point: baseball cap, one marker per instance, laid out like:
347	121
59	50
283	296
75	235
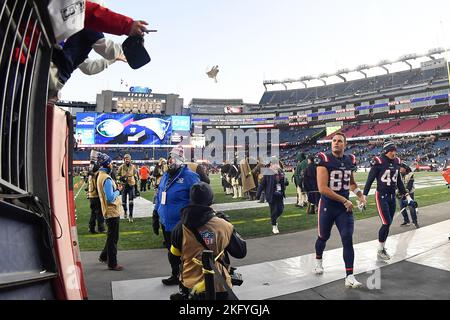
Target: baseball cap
135	52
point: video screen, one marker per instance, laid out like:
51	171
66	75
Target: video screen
112	129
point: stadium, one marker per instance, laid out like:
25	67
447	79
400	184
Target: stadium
45	210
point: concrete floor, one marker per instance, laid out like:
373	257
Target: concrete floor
144	264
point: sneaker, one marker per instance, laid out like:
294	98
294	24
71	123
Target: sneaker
125	216
405	224
116	268
383	255
318	268
416	225
351	282
130	220
92	231
275	229
101	261
172	281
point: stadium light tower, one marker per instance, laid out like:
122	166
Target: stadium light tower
362	67
340	73
322	77
383	63
304	79
407	57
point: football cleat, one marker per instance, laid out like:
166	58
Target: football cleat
318	268
383	255
351	282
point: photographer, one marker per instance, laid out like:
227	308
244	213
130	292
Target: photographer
94	200
407	176
127	175
201	228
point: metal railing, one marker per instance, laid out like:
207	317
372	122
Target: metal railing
26	39
25	53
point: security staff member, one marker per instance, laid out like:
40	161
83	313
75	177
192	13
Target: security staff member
171	198
127	174
199	222
111	208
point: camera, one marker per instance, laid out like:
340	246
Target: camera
236	278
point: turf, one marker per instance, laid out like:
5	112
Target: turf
249	222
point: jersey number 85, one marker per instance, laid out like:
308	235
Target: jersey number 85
340	180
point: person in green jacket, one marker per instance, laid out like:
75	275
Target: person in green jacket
302	163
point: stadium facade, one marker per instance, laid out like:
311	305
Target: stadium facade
405	98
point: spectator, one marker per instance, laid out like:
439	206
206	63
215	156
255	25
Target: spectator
199	229
76	49
273	184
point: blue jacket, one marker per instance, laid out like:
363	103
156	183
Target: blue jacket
177	196
269	185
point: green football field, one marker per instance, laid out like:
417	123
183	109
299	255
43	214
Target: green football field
249	222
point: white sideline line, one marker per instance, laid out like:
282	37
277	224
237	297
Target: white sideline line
79	191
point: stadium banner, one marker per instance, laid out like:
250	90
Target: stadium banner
128	130
389	136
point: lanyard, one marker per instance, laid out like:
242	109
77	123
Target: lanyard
166	187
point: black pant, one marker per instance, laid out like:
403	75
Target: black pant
314	198
143	185
276	208
173	260
130	192
109	253
96	215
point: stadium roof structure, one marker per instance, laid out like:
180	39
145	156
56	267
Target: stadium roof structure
216	102
383	64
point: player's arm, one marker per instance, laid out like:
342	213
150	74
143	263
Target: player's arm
372	176
324	189
354	188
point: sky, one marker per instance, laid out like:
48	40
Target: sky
257	40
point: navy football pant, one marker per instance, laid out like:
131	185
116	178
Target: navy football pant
328	216
386	210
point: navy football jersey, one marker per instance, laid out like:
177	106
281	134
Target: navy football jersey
387	173
339	174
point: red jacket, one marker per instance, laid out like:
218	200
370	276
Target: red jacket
101	19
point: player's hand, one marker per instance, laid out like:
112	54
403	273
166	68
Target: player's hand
122	58
138	28
348	205
363	200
